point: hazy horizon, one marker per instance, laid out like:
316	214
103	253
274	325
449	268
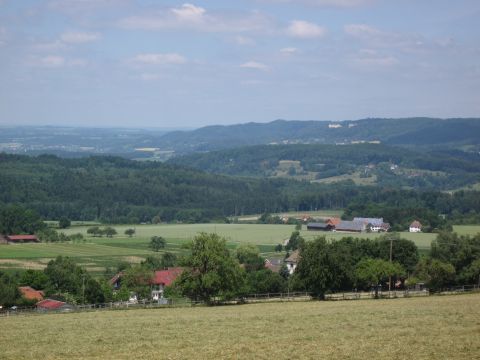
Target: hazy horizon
185	65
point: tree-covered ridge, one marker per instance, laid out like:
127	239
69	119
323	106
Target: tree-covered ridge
377	163
116	190
409	131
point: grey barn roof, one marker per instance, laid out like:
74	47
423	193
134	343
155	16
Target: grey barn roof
350	226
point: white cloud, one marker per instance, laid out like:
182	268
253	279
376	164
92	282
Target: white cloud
78	37
305	30
191	17
50	61
254	65
289	50
189	13
243	40
159	59
374	37
362	31
369	58
56	61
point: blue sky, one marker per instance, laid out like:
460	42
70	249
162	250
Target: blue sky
188	64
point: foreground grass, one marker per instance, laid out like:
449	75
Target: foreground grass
420	328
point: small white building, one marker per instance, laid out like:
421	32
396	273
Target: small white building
415	226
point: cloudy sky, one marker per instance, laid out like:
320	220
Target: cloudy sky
187	64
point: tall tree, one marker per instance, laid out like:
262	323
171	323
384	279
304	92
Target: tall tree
212	273
373	272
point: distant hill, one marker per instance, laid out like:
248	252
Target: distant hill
162	144
408	131
365	164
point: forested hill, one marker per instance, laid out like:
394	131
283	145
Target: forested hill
116	190
373	164
408	131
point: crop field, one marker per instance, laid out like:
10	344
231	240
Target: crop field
436	327
98	253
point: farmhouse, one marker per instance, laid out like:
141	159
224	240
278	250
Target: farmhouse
415	226
53	305
320	226
292	261
334	221
273	264
373	224
21	238
29	293
163	278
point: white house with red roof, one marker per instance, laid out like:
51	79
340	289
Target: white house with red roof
163	278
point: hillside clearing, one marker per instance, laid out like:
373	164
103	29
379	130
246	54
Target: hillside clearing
443	327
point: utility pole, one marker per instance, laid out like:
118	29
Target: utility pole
83	288
390	277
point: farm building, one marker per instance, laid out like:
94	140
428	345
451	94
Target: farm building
30	293
333	221
415	226
351	226
117	280
320	226
21	238
373	224
292	261
273	264
53	305
163	278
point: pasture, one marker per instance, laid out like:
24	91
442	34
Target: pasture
436	327
99	253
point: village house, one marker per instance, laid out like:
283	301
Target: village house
53	305
30	293
13	239
373	224
273	264
415	226
163	278
292	261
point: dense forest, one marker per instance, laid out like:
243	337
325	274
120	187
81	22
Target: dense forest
116	190
381	164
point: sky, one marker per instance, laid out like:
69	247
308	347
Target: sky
145	63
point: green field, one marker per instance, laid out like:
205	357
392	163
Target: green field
436	327
98	253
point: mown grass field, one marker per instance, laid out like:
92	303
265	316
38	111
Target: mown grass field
437	327
98	253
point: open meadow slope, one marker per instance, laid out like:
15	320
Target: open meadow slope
440	327
98	253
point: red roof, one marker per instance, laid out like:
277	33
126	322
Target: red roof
50	304
22	238
166	277
334	221
30	293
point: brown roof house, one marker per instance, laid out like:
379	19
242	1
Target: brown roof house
415	226
292	261
30	293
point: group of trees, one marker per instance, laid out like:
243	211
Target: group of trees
213	273
95	231
51	235
62	279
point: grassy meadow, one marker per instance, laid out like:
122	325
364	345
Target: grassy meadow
99	253
436	327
